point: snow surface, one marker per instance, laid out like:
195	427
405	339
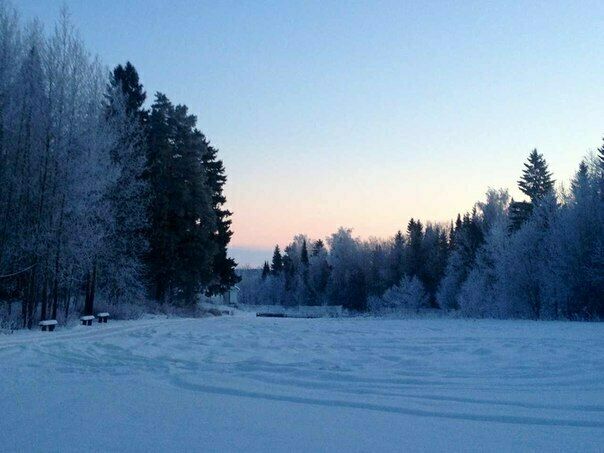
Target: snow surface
262	384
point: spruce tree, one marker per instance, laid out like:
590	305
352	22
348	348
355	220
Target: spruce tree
181	215
223	266
536	180
581	179
397	259
289	270
318	247
319	270
306	293
304	254
277	264
194	209
451	237
458	223
266	270
126	79
414	259
160	259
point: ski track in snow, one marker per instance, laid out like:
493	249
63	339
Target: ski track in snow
507	372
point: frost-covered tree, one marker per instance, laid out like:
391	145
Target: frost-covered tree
408	294
435	252
319	272
126	243
550	267
478	295
55	146
524	261
468	237
574	280
347	284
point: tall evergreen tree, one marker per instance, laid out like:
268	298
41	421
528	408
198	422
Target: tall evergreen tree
318	247
397	259
580	180
266	270
319	271
536	180
126	79
304	254
435	253
289	270
277	264
223	266
181	211
415	232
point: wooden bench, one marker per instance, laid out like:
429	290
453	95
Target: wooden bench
103	317
87	320
48	324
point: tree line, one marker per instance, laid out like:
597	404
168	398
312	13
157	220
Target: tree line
100	197
539	258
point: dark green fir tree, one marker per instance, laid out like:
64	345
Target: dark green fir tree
277	264
536	182
223	266
182	218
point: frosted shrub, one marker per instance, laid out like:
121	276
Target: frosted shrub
12	321
408	294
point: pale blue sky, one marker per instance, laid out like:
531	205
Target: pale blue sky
363	114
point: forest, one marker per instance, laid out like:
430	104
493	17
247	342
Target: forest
103	200
540	258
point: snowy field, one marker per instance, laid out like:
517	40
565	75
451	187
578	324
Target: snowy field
257	384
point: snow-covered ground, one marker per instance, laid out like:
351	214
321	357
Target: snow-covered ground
261	384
